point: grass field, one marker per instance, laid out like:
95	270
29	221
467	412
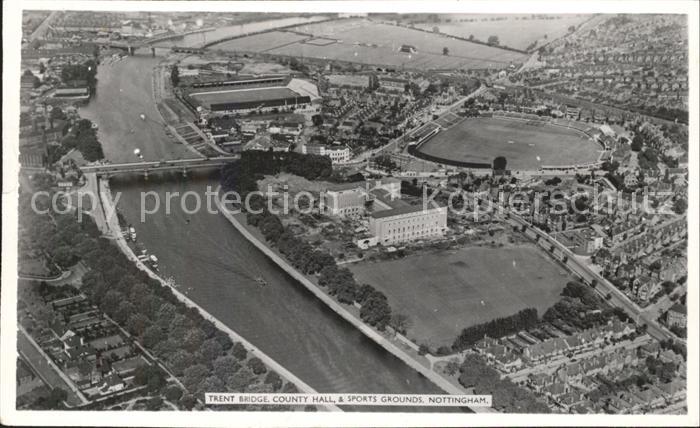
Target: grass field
515	31
242	95
441	292
261	42
367	42
526	147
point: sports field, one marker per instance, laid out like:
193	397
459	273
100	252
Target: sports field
445	291
242	95
525	146
369	42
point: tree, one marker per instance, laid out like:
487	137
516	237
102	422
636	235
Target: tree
637	143
180	361
111	301
257	365
445	51
226	366
400	323
376	312
137	324
423	349
239	351
680	205
500	163
239	381
193	339
493	41
274	380
194	375
173	393
152	335
154	403
188	401
175	75
210	384
317	120
210	350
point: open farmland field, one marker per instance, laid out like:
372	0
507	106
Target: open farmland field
242	95
515	31
261	42
525	146
367	42
442	292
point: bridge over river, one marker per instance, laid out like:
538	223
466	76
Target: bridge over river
146	167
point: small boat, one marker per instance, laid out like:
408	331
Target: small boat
132	233
261	281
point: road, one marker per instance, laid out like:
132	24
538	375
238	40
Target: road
177	164
40	31
46	369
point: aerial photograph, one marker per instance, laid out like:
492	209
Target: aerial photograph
353	212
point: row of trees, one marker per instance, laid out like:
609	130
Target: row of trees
499	327
339	281
201	355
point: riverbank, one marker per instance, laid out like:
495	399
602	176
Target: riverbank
112	224
369	332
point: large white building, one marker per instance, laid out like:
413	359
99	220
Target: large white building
391	220
351	199
338	154
408	223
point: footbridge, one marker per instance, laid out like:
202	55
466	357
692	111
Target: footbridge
146	167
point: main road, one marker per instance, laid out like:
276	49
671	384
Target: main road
216	267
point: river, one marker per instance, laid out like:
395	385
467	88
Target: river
216	266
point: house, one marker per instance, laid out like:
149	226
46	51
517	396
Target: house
631	179
265	143
504	359
75	348
674	391
545	350
645	287
112	383
677	316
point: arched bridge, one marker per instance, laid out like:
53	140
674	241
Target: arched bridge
145	167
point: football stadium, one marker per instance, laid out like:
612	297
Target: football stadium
255	94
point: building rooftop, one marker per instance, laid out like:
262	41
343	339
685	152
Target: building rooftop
406	209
